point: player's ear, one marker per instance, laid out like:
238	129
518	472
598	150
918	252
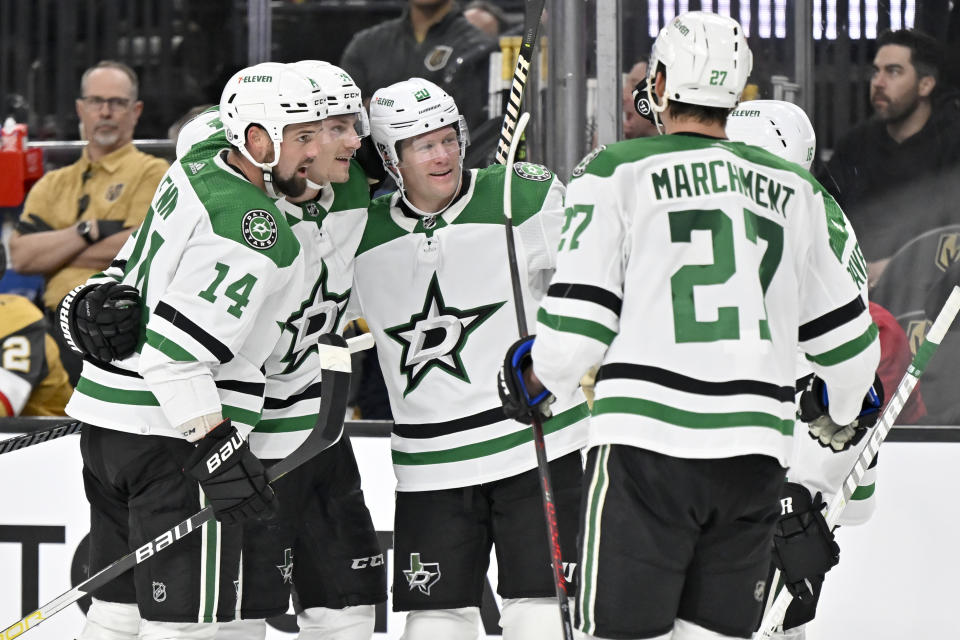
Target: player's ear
926	85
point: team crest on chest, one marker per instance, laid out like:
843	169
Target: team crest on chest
435	336
259	229
113	192
531	171
318	315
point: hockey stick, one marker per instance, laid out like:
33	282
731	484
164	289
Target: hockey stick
773	618
335	364
36	437
531	25
543	465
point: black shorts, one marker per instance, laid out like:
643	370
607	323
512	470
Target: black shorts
137	490
666	538
442	539
323	542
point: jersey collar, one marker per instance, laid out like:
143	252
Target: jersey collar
113	161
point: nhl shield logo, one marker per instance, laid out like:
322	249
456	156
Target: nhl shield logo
758	590
259	229
159	592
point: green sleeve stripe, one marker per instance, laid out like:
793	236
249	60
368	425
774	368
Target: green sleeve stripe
168	347
116	396
241	415
847	350
691	419
286	425
494	446
864	492
587	328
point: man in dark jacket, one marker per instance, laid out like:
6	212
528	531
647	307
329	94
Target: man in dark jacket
433	40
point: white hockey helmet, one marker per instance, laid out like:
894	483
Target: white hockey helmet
780	127
407	109
707	61
271	95
342	93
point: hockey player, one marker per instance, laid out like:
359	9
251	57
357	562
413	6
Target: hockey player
323	540
784	129
32	380
213	261
324	537
689	269
431	279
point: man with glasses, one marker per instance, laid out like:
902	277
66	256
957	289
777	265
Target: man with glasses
76	218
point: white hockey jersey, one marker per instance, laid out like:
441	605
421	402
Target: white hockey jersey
214	261
437	297
329	230
689	269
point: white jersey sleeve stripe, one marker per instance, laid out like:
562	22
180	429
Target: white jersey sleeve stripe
566	324
847	350
688	384
588	293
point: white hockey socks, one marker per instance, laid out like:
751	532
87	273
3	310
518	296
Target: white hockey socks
449	624
531	619
111	621
152	630
255	629
348	623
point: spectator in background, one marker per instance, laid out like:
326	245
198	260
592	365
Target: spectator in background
635	125
76	218
32	380
431	39
896	177
487	17
907	145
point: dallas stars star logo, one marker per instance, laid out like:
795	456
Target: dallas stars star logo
286	569
319	314
435	336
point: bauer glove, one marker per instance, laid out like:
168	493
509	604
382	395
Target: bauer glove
516	398
232	478
813	410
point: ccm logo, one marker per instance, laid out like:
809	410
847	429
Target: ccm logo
226	450
363	563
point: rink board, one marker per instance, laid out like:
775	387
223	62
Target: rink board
896	576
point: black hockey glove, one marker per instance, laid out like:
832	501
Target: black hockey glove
516	399
641	102
232	478
106	228
804	548
813	410
101	321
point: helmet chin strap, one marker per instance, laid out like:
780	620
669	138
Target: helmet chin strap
655	108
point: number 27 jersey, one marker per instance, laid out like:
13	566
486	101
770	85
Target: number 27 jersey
689	269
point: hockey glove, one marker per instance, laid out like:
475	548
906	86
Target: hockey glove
813	410
517	401
232	478
804	548
101	321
